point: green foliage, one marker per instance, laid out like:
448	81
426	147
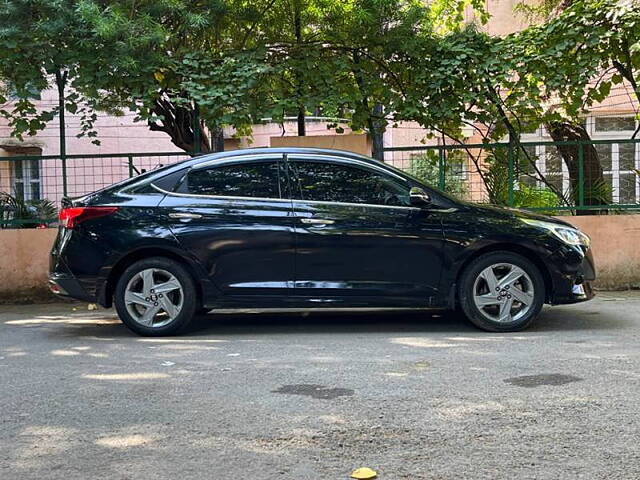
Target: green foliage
598	192
15	211
426	167
527	196
37	41
575	57
496	179
238	61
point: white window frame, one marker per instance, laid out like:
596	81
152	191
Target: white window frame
615	172
27	181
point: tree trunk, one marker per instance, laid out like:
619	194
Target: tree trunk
376	131
217	140
177	122
596	190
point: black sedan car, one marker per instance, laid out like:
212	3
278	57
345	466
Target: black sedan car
308	228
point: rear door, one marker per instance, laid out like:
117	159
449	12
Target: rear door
358	236
235	216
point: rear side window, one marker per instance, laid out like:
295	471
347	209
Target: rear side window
330	182
261	180
167	183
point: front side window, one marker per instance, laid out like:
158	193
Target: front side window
257	180
330	182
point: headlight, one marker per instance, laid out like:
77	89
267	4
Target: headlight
570	236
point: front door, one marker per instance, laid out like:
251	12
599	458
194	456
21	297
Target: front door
358	236
236	218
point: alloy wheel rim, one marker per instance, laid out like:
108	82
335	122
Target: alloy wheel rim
154	297
503	293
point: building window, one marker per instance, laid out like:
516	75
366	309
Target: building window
619	164
620	161
614	124
26	179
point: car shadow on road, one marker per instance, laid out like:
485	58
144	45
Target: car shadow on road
326	322
551	319
105	325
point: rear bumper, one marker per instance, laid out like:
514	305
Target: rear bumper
68	286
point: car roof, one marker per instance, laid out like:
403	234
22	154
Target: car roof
153	175
283	150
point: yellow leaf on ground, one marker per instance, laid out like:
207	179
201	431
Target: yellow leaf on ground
364	473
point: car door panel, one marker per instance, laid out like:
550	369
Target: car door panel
353	249
365	250
245	244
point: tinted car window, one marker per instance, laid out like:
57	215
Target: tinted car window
329	182
239	180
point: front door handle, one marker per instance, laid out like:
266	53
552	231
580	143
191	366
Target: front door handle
316	221
185	215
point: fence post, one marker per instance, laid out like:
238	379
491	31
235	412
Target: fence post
196	129
130	163
581	175
441	169
61	80
510	174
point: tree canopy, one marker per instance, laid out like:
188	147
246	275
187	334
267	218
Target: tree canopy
372	62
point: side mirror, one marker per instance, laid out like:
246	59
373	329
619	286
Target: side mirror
419	198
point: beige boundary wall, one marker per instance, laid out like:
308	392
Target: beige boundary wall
24	255
357	143
615	240
24	263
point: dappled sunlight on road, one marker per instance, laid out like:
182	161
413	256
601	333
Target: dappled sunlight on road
422	342
78	351
125	441
38	320
127	376
179	340
39	443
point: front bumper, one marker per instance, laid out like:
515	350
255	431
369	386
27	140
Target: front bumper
573	272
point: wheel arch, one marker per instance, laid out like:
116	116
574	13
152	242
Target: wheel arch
108	288
524	251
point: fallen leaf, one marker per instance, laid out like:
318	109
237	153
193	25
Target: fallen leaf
167	364
92	306
364	473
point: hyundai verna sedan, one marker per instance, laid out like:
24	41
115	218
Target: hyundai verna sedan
308	228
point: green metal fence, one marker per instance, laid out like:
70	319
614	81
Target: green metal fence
599	176
31	186
595	176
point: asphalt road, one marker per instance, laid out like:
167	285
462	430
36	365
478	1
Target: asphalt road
287	396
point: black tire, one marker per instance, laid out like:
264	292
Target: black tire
189	297
478	317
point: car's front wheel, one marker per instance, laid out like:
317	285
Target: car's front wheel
501	292
156	296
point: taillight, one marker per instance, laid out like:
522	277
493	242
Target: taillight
70	217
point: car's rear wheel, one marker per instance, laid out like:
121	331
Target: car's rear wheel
156	296
501	292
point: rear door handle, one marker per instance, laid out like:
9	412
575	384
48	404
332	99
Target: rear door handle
316	221
185	215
